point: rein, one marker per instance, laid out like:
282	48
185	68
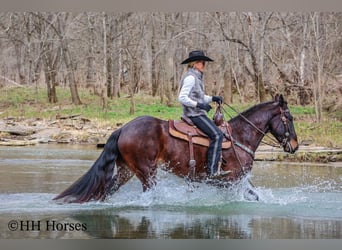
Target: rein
275	145
243	147
236	143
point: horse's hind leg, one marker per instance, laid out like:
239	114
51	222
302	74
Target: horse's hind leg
146	173
122	176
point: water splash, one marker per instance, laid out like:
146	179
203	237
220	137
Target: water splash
173	193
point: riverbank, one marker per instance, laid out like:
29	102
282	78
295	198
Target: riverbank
304	154
75	129
64	129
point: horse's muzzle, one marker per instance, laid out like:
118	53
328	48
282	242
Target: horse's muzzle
291	146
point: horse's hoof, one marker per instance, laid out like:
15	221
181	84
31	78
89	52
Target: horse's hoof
250	195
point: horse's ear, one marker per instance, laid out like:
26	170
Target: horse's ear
281	100
276	98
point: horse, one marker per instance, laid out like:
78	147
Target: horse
144	144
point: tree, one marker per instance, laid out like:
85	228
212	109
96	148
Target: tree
251	43
120	54
61	31
51	53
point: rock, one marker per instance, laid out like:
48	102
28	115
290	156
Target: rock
19	131
8	142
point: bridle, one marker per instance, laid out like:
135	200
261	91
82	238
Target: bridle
286	137
283	118
250	152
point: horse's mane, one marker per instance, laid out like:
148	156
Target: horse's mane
252	110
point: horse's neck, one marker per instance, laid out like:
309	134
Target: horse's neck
246	133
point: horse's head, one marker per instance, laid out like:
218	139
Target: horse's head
281	126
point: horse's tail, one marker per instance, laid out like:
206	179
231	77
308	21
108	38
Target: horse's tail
96	183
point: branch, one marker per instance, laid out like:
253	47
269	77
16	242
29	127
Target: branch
170	40
282	74
229	39
11	81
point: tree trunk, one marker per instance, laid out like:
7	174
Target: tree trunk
315	18
153	66
71	74
91	56
51	61
227	94
257	64
50	78
135	73
106	79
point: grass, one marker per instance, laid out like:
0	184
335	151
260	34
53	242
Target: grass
21	103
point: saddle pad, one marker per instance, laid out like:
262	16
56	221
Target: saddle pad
197	138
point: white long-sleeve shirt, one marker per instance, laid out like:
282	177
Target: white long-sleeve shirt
183	98
192	92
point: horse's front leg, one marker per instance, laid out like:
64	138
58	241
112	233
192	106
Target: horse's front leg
249	193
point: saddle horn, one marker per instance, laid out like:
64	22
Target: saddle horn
218	117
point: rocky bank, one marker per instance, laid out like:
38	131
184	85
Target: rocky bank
75	129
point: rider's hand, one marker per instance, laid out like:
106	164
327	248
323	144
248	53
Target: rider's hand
204	106
218	99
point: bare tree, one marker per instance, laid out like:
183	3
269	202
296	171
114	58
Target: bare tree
252	44
120	54
91	73
51	53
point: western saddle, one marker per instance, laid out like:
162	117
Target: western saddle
187	131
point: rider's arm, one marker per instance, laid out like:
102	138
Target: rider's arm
183	97
208	98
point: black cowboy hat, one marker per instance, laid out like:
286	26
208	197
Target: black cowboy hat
197	55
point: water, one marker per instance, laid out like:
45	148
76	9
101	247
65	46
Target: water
297	201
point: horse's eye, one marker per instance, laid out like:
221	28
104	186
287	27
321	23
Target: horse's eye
289	116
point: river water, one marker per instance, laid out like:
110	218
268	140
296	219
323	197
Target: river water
297	201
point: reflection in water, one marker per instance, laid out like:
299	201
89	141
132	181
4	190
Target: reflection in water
298	201
178	226
161	224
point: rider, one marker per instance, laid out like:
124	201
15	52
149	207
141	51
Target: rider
196	105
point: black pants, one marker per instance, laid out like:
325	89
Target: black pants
216	138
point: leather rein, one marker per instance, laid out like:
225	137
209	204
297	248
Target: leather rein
283	119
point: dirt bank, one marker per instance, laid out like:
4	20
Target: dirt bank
71	129
75	129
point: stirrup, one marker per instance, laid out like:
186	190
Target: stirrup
219	174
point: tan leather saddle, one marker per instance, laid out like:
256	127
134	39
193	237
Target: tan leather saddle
186	130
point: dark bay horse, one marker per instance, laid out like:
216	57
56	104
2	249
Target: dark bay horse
143	144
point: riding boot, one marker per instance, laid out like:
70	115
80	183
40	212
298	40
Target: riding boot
220	172
215	135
